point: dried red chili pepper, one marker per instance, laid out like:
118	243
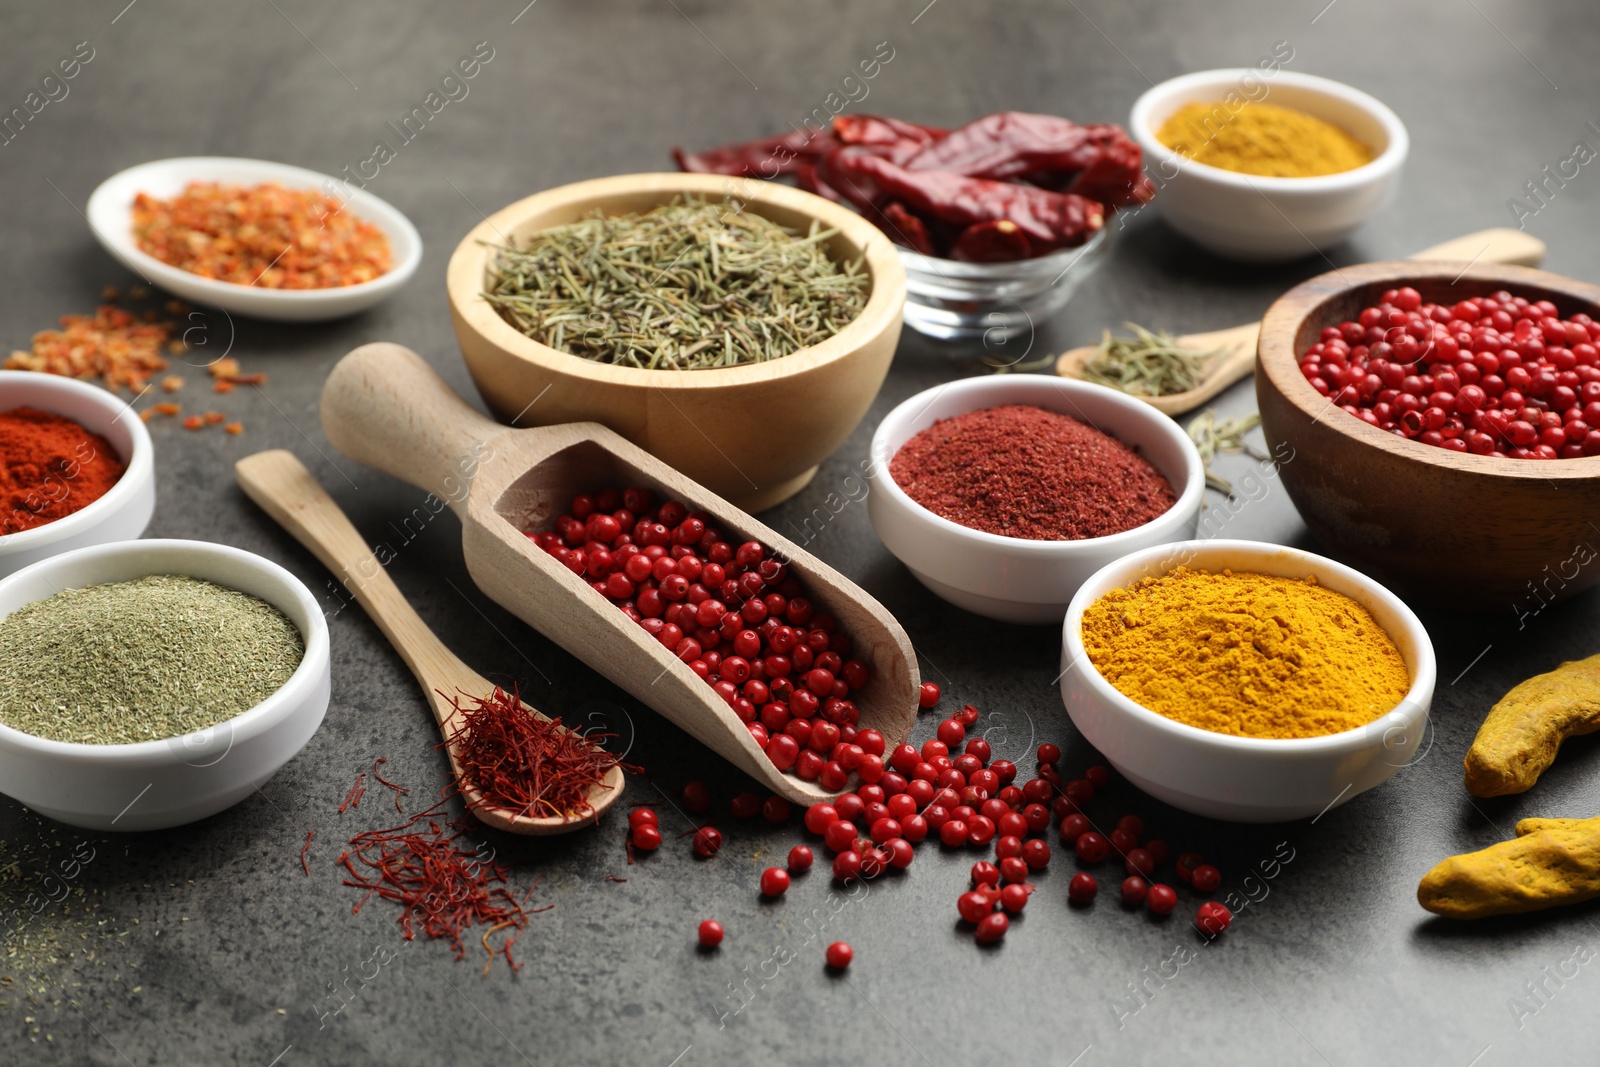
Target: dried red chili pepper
1001	241
894	139
1016	144
764	157
907	229
1049	219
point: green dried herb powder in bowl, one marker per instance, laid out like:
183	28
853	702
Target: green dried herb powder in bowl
141	661
689	285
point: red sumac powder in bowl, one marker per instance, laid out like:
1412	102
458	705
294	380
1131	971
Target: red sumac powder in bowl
1022	471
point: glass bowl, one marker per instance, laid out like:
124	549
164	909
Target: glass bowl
994	302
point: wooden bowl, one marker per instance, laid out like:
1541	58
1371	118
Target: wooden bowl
753	434
1483	532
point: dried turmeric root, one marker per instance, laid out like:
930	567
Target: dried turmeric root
1550	862
1519	739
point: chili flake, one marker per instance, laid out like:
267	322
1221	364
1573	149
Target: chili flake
113	345
262	235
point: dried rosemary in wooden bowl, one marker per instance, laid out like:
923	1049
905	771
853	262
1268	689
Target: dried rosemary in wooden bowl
691	284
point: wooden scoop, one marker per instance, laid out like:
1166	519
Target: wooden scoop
1238	343
284	488
384	407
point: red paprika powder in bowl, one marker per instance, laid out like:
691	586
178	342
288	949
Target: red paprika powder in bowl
1003	494
76	468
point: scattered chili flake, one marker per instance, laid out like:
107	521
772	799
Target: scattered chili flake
614	878
171	383
227	367
234	428
113	345
262	235
193	422
222	385
520	761
304	849
214	418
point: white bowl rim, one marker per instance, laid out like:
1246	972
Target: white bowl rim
366	205
1192	493
1378	167
1345	741
139	467
253	720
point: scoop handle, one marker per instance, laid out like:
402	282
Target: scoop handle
385	408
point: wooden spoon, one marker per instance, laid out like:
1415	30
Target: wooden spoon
1238	343
384	407
284	488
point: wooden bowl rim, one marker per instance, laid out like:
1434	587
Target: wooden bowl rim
1277	359
463	280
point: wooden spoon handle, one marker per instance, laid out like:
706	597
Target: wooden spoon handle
385	408
1499	245
280	483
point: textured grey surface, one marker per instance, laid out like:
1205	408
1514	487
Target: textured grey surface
210	946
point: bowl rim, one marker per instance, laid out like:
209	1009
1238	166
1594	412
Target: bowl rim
254	720
1189	496
1277	359
463	280
1009	270
139	468
1413	703
110	218
1376	169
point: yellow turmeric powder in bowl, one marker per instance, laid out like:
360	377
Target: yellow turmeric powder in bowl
1262	139
1253	655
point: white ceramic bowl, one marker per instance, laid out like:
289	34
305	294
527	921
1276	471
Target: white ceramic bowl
1246	779
155	784
1010	578
1263	219
124	511
110	212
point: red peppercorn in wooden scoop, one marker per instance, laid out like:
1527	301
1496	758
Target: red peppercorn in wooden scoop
384	407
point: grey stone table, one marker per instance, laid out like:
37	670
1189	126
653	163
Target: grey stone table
207	944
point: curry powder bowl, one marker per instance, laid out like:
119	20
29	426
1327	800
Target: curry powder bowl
753	434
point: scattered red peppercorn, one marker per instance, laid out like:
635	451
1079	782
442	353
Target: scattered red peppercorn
1049	753
710	933
1205	878
840	835
800	859
993	928
775	810
1098	776
1157	849
820	816
646	837
1213	918
1161	899
953	833
642	817
1082	889
928	696
974	907
1134	890
1013	898
1014	869
707	842
1186	865
697	797
1036	854
1122	841
839	955
985	873
774	882
1092	848
847	865
1073	827
1132	824
1007	846
1139	861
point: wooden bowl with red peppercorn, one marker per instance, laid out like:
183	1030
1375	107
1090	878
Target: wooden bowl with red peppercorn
1394	441
753	433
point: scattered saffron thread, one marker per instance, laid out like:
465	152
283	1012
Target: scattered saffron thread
304	849
352	799
398	790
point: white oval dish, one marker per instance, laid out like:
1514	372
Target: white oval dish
110	212
1246	779
1010	578
1266	219
151	785
124	511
